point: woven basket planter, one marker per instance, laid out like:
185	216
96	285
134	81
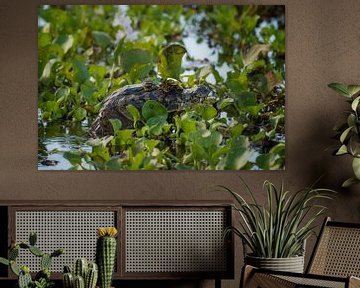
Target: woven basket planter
291	264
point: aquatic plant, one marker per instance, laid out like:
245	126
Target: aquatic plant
87	52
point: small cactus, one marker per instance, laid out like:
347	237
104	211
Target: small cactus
106	254
91	276
84	274
80	267
36	251
79	282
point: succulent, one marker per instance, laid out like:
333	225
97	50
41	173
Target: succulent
85	275
42	278
106	254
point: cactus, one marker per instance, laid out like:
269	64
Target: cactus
88	273
79	282
105	254
80	267
24	278
36	251
32	238
91	276
45	261
23	273
68	280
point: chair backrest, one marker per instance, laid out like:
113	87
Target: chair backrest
337	251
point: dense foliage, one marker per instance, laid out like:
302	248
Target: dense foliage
349	132
86	52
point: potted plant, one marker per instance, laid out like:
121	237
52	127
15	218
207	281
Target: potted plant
349	132
276	233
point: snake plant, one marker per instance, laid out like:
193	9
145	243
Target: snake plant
279	228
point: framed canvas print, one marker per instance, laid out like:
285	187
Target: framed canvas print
161	87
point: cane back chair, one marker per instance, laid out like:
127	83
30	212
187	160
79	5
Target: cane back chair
335	262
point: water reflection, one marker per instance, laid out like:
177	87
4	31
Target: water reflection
57	137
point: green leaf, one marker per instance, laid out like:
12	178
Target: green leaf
134	112
152	108
62	92
46	74
349	182
345	134
355	103
239	153
170	60
101	38
340	88
116	124
74	157
132	57
245	99
356	167
207	112
254	53
353	89
156	124
80	114
342	150
4	261
65	41
81	73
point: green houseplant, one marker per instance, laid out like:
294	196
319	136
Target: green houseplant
349	132
42	278
276	233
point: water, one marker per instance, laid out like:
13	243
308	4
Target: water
57	137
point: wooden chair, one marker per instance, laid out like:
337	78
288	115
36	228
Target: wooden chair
334	263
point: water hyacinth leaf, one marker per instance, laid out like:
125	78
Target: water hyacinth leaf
139	72
356	167
238	154
80	114
46	73
62	92
100	154
115	124
131	57
254	110
207	112
101	38
65	41
81	73
245	99
156	124
237	81
74	157
170	59
153	108
134	112
254	53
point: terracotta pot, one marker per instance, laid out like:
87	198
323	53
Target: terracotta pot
291	264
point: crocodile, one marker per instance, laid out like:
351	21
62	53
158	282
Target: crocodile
170	93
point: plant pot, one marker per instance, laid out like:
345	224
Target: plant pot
291	264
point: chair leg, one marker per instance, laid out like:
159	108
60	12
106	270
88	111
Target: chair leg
354	282
246	273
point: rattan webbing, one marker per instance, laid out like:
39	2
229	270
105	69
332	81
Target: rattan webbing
338	252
